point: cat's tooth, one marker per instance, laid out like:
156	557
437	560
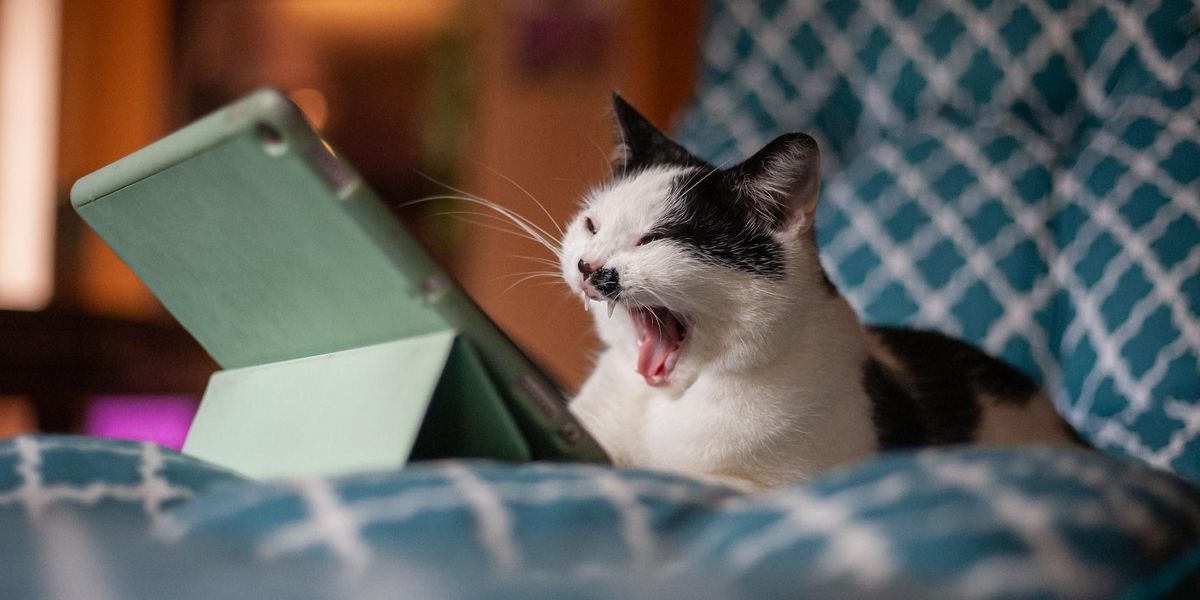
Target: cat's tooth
586	304
611	307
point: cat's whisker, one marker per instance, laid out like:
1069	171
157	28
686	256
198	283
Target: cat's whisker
508	211
526	274
466	196
648	309
621	150
706	176
658	297
691	177
662	302
526	277
605	159
544	261
527	193
517	233
538	235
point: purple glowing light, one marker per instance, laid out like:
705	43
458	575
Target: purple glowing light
160	419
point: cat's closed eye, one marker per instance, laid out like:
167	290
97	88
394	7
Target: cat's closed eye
650	237
591	227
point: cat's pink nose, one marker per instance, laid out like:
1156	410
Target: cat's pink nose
586	268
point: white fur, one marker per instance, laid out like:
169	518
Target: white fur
768	387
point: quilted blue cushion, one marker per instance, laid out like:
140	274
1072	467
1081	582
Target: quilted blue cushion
944	524
1128	308
137	479
1023	175
938	524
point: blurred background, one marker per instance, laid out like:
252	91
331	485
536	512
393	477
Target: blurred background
484	95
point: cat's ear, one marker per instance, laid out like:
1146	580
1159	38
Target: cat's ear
639	143
781	182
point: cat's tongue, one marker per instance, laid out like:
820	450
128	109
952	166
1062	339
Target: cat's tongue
659	336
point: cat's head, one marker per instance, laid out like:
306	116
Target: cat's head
691	266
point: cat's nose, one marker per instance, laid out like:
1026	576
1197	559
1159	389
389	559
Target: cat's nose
606	281
586	268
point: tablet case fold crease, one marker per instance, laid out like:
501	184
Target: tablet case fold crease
370	408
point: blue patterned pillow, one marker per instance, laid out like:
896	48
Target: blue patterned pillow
1023	175
40	474
1128	306
939	524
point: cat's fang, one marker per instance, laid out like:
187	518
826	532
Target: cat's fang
586	307
611	307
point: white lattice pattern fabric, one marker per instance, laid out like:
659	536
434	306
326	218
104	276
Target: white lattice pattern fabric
88	518
1024	175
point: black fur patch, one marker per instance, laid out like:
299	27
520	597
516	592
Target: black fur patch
936	399
717	229
606	281
785	173
712	221
644	145
896	413
933	357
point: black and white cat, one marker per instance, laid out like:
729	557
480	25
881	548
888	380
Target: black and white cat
728	352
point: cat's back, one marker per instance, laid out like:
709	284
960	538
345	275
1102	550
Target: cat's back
927	389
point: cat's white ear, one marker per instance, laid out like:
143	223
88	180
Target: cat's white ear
638	143
781	182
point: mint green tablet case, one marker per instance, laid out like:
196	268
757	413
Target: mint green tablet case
345	347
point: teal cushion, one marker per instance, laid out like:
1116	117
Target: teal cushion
1023	176
936	524
40	474
1127	225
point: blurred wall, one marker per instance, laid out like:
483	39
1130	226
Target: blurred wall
115	84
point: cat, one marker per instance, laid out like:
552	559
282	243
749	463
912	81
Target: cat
728	352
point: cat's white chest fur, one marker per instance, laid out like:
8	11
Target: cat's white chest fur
779	415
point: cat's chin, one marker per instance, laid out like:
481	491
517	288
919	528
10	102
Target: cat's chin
660	336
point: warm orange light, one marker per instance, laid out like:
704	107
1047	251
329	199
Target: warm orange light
371	21
29	71
16	416
313	104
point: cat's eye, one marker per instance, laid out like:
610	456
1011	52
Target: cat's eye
649	237
591	227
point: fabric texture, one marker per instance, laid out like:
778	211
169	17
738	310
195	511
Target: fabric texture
117	477
1023	175
935	524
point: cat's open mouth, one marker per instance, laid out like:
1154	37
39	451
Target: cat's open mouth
660	334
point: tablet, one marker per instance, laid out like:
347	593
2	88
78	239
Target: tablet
267	246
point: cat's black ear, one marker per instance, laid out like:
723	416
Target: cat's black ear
781	182
640	144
